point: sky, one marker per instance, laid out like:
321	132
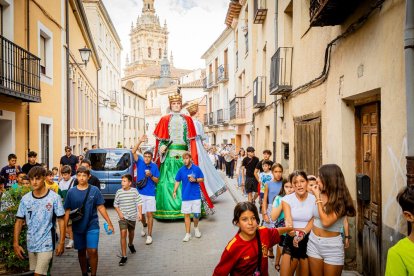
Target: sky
193	26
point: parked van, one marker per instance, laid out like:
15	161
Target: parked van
109	165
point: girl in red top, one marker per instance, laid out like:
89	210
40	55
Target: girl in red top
240	257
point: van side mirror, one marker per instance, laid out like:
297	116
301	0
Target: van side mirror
363	187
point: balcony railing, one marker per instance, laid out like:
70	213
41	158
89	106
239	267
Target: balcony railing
210	118
281	71
113	99
259	88
330	12
237	108
205	84
19	72
205	119
260	11
222	74
211	80
220	116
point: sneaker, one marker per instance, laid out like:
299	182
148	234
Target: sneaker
70	244
123	261
143	232
149	240
197	233
132	248
187	237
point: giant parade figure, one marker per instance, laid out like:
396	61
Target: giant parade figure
213	182
175	133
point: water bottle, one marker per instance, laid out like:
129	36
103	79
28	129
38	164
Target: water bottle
108	232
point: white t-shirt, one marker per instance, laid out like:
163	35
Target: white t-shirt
64	185
301	211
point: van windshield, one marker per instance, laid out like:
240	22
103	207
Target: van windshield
110	161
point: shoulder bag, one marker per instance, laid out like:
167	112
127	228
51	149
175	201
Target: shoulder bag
142	183
77	214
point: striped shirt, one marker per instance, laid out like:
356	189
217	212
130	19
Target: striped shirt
128	201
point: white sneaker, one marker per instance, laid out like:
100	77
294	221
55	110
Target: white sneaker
149	240
70	244
197	233
143	232
187	237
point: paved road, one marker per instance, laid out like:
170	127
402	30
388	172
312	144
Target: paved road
168	255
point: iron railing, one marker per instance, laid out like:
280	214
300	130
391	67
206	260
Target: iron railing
206	119
113	99
237	108
222	74
210	118
259	87
19	72
220	116
330	12
281	71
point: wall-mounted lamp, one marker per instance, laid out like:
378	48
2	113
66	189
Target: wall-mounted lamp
85	54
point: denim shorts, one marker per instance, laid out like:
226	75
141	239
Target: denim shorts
330	250
89	239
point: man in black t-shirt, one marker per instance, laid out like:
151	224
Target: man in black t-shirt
93	180
32	155
248	178
69	159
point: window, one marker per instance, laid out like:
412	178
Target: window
1	20
159	53
100	31
44	136
42	56
149	52
113	160
246	41
45	52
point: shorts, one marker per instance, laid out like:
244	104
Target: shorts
251	185
282	240
40	262
295	252
330	250
148	204
191	206
126	224
89	239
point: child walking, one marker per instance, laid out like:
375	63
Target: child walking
278	217
128	205
264	177
271	190
246	253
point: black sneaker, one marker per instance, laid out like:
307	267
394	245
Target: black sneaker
132	248
123	261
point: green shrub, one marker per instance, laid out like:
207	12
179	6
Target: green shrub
10	203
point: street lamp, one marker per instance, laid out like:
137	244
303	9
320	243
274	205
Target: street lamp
85	54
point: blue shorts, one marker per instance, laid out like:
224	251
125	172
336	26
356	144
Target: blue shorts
85	240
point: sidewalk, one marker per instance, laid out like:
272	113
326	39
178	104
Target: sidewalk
236	194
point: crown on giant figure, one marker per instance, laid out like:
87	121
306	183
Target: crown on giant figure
192	108
175	98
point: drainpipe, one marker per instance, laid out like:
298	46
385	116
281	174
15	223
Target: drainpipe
67	74
28	49
275	97
409	89
97	108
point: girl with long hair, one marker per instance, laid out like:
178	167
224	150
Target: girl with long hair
333	203
297	208
242	254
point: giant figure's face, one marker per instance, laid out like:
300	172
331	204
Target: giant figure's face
175	106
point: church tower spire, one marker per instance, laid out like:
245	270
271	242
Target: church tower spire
148	6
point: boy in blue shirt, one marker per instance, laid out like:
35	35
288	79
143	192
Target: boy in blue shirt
190	176
39	210
86	229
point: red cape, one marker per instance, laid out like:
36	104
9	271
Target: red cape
161	133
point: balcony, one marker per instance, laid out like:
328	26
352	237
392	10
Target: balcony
259	89
205	85
113	99
210	118
214	78
219	116
223	74
260	11
19	72
281	71
330	12
237	110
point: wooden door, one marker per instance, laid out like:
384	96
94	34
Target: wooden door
308	146
369	162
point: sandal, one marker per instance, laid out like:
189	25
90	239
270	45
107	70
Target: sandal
277	267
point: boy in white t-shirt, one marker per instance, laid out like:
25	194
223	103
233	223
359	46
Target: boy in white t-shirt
65	184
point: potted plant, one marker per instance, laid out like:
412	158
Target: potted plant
10	264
